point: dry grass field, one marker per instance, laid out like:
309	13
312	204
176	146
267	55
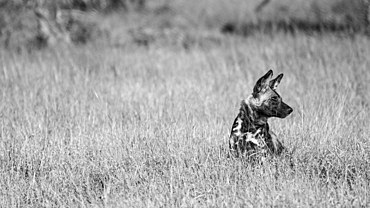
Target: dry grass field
130	125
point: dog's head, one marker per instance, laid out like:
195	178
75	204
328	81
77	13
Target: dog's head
266	101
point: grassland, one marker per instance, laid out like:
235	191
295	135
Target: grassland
147	126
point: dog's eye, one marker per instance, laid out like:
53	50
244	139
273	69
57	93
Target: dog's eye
274	99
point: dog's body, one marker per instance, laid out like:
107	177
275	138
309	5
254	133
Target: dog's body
250	133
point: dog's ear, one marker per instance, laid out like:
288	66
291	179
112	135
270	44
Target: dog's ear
262	82
275	82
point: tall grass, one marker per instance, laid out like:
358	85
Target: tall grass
141	127
148	126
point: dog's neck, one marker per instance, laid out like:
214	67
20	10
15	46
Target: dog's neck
251	119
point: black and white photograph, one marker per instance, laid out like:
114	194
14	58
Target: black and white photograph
184	103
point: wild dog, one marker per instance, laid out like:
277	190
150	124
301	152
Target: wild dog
250	132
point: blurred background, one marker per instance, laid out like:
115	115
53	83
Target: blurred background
36	24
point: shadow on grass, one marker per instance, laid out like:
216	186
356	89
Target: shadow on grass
294	26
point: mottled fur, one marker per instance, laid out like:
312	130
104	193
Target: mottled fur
250	133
